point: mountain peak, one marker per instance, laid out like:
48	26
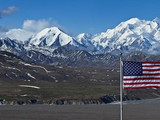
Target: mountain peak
131	35
55	29
133	21
81	35
84	35
49	37
48	30
157	20
128	23
84	38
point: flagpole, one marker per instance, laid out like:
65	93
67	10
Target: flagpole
121	87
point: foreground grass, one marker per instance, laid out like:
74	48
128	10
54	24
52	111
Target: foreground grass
50	90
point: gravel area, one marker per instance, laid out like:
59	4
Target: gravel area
135	111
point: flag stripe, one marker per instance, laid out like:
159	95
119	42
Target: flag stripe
150	74
141	87
151	63
129	81
125	77
141	83
134	79
141	75
126	81
151	69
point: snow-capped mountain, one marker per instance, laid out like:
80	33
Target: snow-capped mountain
53	46
51	37
129	36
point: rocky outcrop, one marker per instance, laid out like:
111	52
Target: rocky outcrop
102	100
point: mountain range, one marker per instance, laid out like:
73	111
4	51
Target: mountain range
133	37
52	65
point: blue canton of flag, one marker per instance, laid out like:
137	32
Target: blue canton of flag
132	68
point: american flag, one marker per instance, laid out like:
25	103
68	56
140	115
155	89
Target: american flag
141	75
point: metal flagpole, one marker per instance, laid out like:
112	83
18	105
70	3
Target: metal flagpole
121	87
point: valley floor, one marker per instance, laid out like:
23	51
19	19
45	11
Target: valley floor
141	110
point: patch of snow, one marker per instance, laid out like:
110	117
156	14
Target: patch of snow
59	56
12	68
30	86
24	95
56	81
30	76
53	77
27	64
9	76
60	67
14	74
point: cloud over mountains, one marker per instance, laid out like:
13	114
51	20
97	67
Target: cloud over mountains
36	25
29	28
7	11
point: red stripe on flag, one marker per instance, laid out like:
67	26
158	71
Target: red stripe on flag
150	62
133	79
151	70
142	87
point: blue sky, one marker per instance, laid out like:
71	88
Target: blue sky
78	16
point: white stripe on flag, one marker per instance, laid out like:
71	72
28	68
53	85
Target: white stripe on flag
151	68
125	77
139	81
142	85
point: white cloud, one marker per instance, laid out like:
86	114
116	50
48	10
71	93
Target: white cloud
18	34
36	26
29	28
8	11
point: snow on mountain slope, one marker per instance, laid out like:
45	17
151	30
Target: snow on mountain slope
85	40
51	37
6	44
129	36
